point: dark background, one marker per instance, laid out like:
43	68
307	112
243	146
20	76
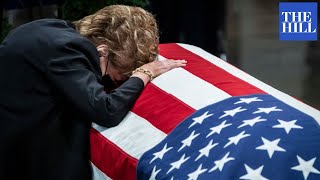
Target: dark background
244	32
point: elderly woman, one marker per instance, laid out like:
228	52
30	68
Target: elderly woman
53	77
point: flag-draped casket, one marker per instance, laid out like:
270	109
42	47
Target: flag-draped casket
209	120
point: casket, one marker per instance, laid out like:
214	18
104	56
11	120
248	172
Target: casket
209	119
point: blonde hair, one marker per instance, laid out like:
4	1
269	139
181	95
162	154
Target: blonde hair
131	34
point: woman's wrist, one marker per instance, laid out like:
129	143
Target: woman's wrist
144	77
145	71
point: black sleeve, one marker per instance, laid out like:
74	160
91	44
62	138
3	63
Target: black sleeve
71	73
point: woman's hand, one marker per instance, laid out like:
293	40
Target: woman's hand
157	68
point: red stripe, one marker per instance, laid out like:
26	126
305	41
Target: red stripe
209	72
110	159
161	109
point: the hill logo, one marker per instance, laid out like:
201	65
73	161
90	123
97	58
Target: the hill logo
298	21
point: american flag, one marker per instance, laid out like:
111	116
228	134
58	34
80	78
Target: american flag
172	97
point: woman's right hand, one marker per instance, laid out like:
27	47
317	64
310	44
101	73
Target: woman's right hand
157	68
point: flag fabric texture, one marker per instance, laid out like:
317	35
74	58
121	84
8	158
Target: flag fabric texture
246	137
210	86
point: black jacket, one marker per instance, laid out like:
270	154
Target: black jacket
49	96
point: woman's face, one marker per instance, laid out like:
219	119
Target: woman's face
112	78
116	75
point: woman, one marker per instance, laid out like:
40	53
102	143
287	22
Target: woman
51	73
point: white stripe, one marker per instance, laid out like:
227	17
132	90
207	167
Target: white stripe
97	174
189	88
251	80
134	135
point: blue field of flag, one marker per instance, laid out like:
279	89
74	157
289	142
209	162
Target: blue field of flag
245	137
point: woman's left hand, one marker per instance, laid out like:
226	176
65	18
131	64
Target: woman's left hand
159	67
